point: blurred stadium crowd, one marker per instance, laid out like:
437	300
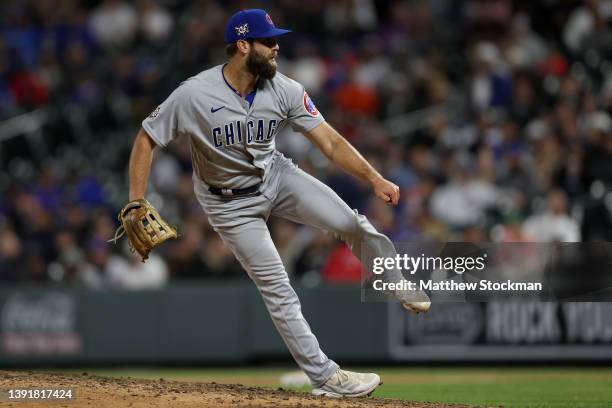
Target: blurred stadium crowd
493	116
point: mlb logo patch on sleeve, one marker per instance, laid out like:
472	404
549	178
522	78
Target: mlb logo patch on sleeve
154	114
309	105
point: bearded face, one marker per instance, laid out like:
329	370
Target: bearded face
261	64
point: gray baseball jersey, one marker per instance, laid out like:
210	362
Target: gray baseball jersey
232	141
232	145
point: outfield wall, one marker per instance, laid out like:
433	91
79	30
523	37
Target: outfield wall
226	322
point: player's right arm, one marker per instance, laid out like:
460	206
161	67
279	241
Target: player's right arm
140	164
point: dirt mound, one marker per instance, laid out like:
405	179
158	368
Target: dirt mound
94	391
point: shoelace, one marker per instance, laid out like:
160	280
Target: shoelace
342	376
119	232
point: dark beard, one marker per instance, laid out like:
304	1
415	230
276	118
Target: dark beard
260	66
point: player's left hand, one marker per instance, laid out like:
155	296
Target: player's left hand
386	191
144	227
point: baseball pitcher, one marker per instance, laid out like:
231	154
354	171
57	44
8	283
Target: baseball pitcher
231	115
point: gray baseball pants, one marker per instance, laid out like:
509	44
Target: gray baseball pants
290	193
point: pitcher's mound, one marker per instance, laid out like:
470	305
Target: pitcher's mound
93	392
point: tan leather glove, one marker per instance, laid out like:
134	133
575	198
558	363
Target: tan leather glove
144	227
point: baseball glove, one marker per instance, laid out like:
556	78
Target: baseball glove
144	227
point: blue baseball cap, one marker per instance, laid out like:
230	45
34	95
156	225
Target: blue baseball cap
252	23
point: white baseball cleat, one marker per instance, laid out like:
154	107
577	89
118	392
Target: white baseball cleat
348	384
415	301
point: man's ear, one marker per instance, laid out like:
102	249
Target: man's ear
243	46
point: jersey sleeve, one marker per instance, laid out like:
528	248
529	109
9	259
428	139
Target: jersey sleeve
303	114
169	120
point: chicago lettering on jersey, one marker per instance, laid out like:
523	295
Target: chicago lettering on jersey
254	132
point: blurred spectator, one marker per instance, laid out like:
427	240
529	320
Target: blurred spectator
554	225
586	23
114	23
525	49
343	16
11	256
29	89
491	83
462	202
184	258
308	69
70	260
342	266
100	264
133	274
155	22
357	98
219	262
599	151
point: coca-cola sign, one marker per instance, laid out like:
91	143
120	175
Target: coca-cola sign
39	324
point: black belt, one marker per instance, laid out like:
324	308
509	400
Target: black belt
231	192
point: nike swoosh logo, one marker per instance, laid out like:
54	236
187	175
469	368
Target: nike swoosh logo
213	110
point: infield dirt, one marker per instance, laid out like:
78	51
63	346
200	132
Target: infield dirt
94	391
